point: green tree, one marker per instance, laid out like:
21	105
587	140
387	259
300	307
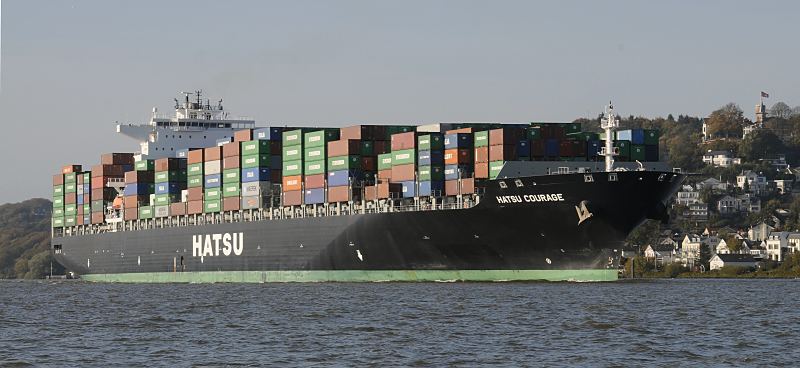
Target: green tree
734	243
705	255
726	121
761	144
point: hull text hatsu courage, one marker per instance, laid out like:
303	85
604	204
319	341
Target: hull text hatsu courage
529	198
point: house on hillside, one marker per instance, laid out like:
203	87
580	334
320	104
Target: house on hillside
712	184
661	254
697	212
690	250
783	186
732	260
720	159
751	182
777	245
760	232
739	204
687	195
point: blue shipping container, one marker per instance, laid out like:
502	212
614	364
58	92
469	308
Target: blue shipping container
523	149
80	199
86	188
137	189
255	174
409	189
451	171
315	196
457	140
636	136
429	158
341	178
431	188
261	133
168	188
551	147
222	141
183	153
127	167
213	181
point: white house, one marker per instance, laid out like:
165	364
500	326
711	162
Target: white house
727	205
697	212
755	183
687	195
732	260
777	244
661	253
690	249
742	203
713	184
759	232
720	159
783	186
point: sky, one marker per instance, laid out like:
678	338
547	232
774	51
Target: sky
70	69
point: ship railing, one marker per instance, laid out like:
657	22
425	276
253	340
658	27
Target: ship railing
276	213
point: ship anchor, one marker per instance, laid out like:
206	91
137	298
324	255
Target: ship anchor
583	212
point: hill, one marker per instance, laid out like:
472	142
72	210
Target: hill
25	240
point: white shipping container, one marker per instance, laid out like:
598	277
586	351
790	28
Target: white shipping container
212	167
162	211
256	188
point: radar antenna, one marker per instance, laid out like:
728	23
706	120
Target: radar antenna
609	123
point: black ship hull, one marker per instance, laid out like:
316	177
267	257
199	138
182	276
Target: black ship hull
555	227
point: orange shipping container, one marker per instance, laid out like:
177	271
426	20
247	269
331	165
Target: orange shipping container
482	170
231	203
385	174
131	214
403	141
212	153
371	192
402	172
462	130
70	198
457	156
387	190
315	181
503	153
58	179
134	201
69	169
482	154
195	156
116	159
505	136
243	135
194	194
97	217
344	147
293	183
177	209
231	149
138	177
231	162
293	198
107	170
194	207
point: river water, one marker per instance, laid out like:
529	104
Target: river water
646	323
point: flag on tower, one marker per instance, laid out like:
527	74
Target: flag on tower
764	94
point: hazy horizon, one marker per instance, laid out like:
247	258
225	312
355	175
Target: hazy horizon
70	69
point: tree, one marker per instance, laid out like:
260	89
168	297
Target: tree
645	234
727	121
734	243
705	255
796	111
761	144
781	110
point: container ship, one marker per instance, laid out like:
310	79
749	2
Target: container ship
211	198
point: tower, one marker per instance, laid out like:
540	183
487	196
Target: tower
761	112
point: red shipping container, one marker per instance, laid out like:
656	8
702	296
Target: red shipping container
195	156
243	135
401	141
293	198
462	130
69	169
107	170
230	162
293	183
565	149
134	201
455	156
385	174
116	159
79	179
98	217
467	185
131	214
371	192
231	149
138	177
381	147
579	148
212	153
107	194
537	148
80	211
275	148
343	194
482	154
79	220
231	203
177	209
389	190
101	181
451	187
58	179
70	198
169	164
194	194
194	207
402	172
369	163
344	147
505	136
315	181
365	132
503	153
482	170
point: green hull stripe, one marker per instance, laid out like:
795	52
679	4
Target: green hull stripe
358	276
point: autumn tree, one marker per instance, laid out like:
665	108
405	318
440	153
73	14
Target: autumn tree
727	121
780	110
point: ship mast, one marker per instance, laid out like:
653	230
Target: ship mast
609	123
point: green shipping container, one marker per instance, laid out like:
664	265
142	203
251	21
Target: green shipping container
144	165
87	177
212	194
494	168
145	212
430	173
320	138
624	148
637	152
231	189
385	161
367	148
430	142
251	161
344	163
292	138
87	208
314	167
58	221
58	212
394	129
291	168
534	133
70	209
99	205
292	153
481	139
651	137
58	191
165	199
572	128
255	147
194	169
232	176
212	206
69	178
314	153
70	188
70	220
403	157
175	176
195	181
58	202
584	136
